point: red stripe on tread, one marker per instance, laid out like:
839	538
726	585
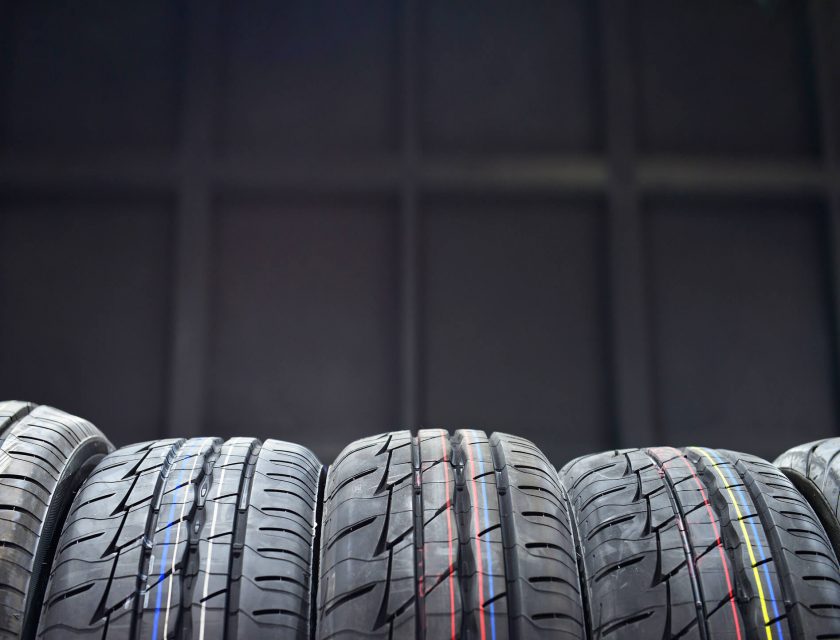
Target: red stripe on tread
480	566
712	521
449	533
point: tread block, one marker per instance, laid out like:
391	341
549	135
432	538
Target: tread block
447	536
197	538
699	543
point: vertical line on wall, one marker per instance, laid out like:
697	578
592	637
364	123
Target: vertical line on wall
193	221
6	54
632	397
7	25
824	21
409	257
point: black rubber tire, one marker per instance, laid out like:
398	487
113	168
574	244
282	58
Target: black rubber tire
433	537
662	535
45	455
814	469
224	531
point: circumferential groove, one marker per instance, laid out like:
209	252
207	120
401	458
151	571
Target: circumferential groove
237	545
583	580
466	560
195	526
685	536
419	560
148	542
315	570
508	533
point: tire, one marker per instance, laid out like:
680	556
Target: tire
196	538
432	536
700	543
45	454
814	469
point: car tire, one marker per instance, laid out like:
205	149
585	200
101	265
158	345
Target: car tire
198	538
439	536
700	543
814	468
45	455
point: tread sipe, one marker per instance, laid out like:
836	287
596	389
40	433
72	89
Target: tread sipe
45	454
189	539
700	543
438	536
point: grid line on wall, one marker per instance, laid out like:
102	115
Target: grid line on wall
193	239
410	364
547	175
631	393
822	15
621	176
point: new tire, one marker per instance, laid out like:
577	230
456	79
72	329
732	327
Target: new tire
700	543
814	469
45	454
438	536
198	538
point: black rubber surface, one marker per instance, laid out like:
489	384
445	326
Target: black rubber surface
700	543
432	536
424	536
815	470
197	538
45	454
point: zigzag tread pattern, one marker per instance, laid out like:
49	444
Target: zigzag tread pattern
197	538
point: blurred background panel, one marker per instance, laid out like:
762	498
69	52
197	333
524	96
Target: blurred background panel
741	324
726	78
85	292
493	78
514	321
91	75
309	77
304	325
595	224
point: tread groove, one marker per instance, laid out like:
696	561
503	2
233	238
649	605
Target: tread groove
239	528
513	588
149	538
685	535
417	522
466	560
315	571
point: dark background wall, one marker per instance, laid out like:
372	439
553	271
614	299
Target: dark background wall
591	223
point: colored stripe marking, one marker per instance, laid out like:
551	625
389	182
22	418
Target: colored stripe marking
748	540
178	539
449	532
163	555
210	544
489	550
480	566
712	521
761	553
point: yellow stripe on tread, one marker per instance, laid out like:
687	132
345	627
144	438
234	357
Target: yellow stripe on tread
747	539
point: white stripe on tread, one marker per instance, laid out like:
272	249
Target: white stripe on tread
178	540
210	545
